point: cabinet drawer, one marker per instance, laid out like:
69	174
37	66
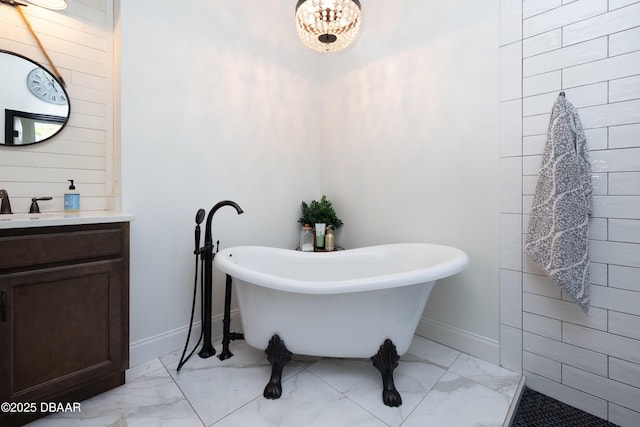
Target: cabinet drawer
54	246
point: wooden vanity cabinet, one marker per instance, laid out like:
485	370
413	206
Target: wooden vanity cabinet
64	315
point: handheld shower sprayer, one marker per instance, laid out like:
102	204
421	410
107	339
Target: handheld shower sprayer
199	218
198	252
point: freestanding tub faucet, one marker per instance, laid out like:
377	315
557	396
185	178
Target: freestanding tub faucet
207	254
5	207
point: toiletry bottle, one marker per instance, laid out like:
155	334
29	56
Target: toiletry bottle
71	200
329	240
321	228
306	239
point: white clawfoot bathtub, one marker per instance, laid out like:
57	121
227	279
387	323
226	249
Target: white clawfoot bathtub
364	302
338	304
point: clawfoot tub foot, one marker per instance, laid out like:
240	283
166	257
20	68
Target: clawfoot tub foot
386	360
278	356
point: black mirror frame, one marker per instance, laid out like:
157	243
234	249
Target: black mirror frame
10	115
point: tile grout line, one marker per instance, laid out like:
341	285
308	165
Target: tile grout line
181	392
344	396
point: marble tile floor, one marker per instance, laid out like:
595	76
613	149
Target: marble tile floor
439	387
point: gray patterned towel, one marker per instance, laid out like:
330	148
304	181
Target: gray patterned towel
557	238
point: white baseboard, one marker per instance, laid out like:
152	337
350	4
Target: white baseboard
461	340
158	345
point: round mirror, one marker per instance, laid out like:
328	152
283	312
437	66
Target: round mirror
34	105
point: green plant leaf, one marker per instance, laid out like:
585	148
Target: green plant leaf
320	212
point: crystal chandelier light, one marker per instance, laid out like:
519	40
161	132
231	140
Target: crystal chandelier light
327	25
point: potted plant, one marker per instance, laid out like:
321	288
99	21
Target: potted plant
320	214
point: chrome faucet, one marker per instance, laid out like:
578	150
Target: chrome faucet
5	207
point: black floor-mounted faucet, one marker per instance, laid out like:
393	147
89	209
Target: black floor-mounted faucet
207	256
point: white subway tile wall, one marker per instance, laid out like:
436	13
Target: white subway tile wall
591	50
625	278
511	71
511	347
79	41
540	325
545	367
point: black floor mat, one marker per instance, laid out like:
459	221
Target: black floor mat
537	410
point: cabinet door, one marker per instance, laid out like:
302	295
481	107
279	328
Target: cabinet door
63	327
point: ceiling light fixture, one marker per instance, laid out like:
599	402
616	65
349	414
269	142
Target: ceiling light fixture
327	25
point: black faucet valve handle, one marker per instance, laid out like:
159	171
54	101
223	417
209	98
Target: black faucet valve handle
34	204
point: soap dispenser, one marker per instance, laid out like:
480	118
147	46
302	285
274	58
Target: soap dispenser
71	200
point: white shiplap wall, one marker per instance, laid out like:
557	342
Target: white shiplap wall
79	41
590	49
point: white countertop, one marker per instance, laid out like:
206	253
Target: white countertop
48	219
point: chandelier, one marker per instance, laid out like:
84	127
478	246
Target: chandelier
327	25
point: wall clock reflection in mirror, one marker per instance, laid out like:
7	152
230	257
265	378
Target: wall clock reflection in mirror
45	87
